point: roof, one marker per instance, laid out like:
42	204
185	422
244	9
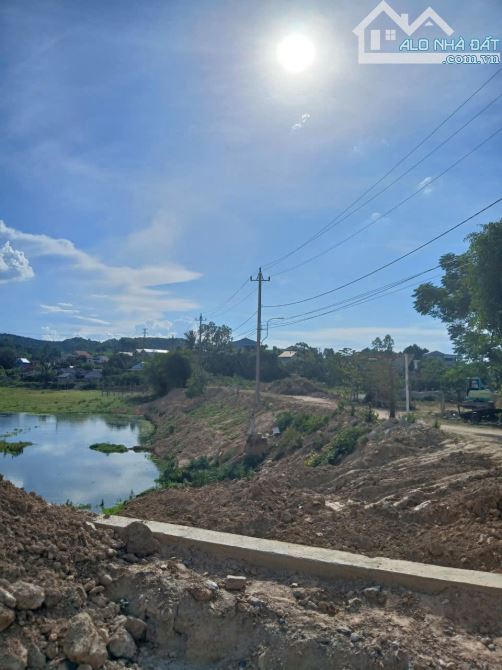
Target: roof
152	351
85	354
24	361
287	354
244	343
439	353
401	20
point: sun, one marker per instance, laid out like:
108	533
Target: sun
296	52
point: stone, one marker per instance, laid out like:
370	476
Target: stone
83	644
36	659
374	594
28	596
140	540
235	583
52	598
6	598
7	617
105	580
355	637
201	594
13	655
84	666
136	627
122	645
344	630
354	604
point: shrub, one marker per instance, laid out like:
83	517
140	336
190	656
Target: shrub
168	371
409	417
301	421
343	444
197	383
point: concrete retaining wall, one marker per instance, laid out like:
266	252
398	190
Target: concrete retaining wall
319	562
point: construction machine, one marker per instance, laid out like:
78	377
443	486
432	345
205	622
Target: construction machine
479	403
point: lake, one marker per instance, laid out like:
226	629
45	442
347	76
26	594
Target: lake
59	465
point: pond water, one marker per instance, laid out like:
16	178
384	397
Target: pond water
59	465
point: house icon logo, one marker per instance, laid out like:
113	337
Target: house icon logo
388	37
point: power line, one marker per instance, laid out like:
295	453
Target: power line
225	311
225	302
244	322
415	193
378	294
365	294
379	181
392	262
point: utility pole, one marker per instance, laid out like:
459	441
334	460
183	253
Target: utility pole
201	318
407	381
144	339
260	279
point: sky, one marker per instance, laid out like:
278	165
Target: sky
155	154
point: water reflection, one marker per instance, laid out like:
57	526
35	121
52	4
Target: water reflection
60	466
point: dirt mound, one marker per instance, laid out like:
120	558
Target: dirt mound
296	385
74	597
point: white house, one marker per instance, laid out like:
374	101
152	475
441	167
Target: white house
382	31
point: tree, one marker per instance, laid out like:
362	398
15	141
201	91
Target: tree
387	344
168	371
216	338
191	339
416	351
469	299
7	358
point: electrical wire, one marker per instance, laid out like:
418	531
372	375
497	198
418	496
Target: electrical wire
415	193
225	302
392	262
379	181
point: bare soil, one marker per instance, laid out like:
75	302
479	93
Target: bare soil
411	492
184	617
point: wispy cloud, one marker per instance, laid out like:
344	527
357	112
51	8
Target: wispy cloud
304	118
126	289
427	190
14	265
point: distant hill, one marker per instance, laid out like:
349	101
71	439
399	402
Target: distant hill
28	346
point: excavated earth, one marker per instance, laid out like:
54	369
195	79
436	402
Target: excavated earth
75	597
411	491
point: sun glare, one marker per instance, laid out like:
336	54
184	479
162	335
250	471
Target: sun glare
296	53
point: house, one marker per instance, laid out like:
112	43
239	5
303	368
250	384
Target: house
287	356
381	33
101	360
137	367
245	344
83	354
448	359
22	362
93	376
125	353
152	352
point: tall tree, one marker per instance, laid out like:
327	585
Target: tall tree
469	299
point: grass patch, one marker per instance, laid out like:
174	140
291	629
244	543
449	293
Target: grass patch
109	448
302	422
45	401
13	448
343	444
115	509
201	471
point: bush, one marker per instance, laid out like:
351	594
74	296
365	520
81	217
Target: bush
343	444
168	371
301	421
197	383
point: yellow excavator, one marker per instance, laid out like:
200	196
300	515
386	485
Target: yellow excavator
479	403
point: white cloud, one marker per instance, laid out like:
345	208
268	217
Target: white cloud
60	308
299	124
427	190
14	266
124	288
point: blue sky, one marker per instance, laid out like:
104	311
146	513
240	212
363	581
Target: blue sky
154	154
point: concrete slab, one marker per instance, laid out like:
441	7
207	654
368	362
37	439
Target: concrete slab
317	561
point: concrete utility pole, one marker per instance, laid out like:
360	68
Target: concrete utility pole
144	339
258	279
200	332
407	380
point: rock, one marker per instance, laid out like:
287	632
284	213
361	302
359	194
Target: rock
105	580
6	598
83	644
344	630
140	540
122	645
13	656
84	666
36	659
374	594
354	604
355	637
235	583
201	594
28	596
7	617
136	627
52	598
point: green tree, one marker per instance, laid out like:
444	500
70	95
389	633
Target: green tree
7	358
469	299
191	339
168	371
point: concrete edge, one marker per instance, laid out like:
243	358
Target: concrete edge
315	561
